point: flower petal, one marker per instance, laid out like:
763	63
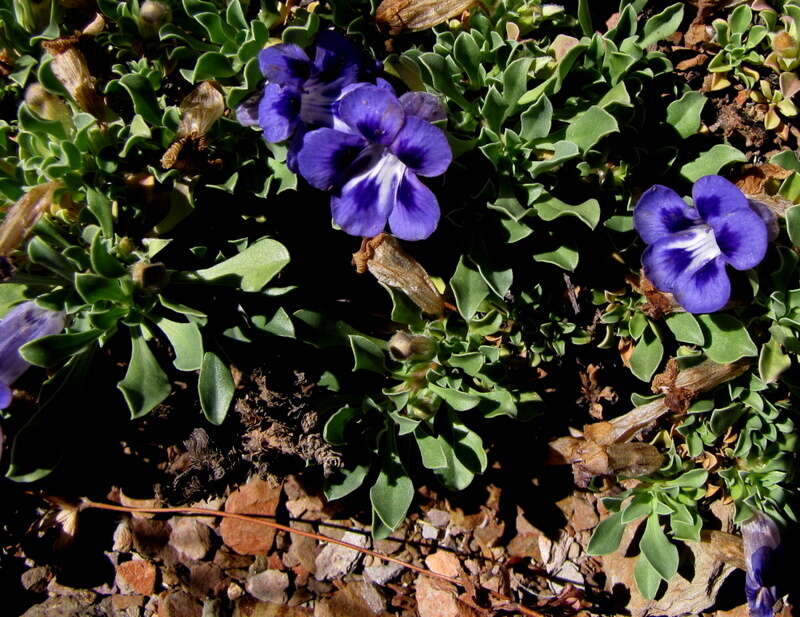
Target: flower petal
247	112
705	289
668	258
660	211
363	205
422	147
285	64
423	105
22	324
742	237
768	216
715	196
416	213
278	112
326	155
336	58
374	112
5	396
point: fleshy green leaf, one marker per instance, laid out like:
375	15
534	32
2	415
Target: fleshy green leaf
660	552
607	535
145	385
393	491
684	114
727	339
251	269
711	161
590	127
469	288
215	388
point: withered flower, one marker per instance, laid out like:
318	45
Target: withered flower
153	15
391	265
200	109
414	15
45	104
70	68
22	216
405	347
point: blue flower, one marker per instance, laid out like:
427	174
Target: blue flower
372	158
22	324
301	93
691	245
761	543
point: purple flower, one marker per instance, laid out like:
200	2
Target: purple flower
691	245
372	158
301	93
22	324
761	542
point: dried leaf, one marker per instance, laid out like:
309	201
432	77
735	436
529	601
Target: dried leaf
414	15
392	266
22	216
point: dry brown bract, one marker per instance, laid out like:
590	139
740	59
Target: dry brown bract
414	15
200	109
70	68
391	265
22	216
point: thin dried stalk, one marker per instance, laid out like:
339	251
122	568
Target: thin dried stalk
22	216
391	265
70	68
414	15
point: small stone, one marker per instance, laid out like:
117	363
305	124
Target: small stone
123	603
429	532
335	561
381	573
269	586
36	579
205	580
357	599
123	539
438	599
444	562
438	518
59	606
302	550
190	538
255	497
149	536
178	604
137	577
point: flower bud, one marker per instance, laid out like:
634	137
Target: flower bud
405	347
70	68
150	276
153	15
45	104
22	216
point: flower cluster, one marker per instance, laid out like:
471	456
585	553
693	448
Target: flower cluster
353	137
691	245
22	324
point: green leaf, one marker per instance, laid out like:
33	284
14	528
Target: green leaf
145	385
469	289
537	120
563	151
660	552
647	356
793	224
215	388
393	491
100	207
465	454
727	339
684	114
280	324
662	25
251	269
515	80
460	401
367	355
585	18
711	161
210	65
41	253
470	362
187	342
564	257
772	362
590	127
468	55
685	328
55	348
647	578
345	481
94	288
550	208
11	294
103	262
335	427
607	535
430	448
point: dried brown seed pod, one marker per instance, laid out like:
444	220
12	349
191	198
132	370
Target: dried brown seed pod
411	347
200	109
70	68
22	216
153	15
414	15
391	265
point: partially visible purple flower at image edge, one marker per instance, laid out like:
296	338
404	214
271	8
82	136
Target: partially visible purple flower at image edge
690	246
22	324
761	544
371	160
